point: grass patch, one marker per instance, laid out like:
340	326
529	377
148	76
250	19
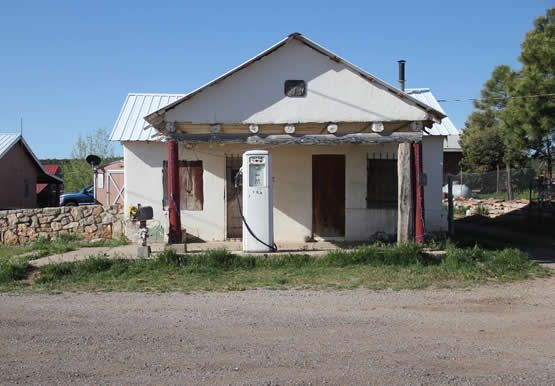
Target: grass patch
372	266
46	247
14	266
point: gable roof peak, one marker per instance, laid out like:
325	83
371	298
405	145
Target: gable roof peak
156	117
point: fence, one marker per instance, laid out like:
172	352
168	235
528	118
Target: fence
503	184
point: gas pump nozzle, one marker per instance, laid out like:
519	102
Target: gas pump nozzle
238	179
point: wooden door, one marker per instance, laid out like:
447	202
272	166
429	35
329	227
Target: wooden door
234	222
328	195
115	187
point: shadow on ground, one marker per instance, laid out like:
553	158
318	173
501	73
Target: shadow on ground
531	229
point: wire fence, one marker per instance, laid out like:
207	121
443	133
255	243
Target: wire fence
506	184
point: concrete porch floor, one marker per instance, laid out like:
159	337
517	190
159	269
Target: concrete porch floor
130	251
287	247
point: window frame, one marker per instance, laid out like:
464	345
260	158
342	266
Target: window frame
386	194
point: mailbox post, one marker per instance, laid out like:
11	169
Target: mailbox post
144	213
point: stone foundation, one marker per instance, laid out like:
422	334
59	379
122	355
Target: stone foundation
90	221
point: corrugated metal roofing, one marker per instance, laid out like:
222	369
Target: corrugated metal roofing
7	140
130	125
451	143
446	127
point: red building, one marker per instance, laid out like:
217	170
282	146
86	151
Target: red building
48	194
20	172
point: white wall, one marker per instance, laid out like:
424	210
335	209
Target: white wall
256	94
292	172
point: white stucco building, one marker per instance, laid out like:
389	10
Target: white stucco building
331	185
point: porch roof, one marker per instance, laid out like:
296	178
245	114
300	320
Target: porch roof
309	139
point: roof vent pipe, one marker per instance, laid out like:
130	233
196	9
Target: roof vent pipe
402	73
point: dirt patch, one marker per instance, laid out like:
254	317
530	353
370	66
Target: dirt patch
499	334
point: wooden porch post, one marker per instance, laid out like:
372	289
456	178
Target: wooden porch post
405	204
174	236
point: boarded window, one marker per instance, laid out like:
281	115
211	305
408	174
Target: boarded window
294	88
191	185
381	185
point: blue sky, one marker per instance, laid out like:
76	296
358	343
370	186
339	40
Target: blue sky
66	66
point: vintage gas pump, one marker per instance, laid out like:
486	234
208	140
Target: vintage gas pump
258	221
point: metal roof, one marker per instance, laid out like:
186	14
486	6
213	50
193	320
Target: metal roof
451	144
424	95
130	125
8	140
157	115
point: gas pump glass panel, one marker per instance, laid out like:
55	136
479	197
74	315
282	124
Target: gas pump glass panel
257	171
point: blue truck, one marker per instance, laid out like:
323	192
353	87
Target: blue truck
83	197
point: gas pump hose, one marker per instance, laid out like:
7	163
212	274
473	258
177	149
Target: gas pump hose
273	247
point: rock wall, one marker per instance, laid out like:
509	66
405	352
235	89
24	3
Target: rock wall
91	222
493	207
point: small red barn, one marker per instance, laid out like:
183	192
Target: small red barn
20	172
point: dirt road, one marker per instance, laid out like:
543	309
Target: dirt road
486	335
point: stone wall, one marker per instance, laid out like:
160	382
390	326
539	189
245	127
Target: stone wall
493	207
91	222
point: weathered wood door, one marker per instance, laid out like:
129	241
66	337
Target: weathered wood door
234	222
115	187
328	195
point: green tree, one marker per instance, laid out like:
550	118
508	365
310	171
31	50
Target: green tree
483	141
530	117
77	173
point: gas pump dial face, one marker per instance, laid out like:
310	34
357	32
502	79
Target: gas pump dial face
257	171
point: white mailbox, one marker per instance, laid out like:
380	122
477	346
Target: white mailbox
257	202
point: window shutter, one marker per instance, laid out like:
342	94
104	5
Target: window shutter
191	185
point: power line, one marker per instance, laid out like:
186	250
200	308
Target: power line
499	98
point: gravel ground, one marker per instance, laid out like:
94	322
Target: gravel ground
485	335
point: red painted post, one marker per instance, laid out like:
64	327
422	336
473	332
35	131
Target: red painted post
419	226
174	236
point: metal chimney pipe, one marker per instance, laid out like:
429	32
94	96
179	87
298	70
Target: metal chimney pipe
402	73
